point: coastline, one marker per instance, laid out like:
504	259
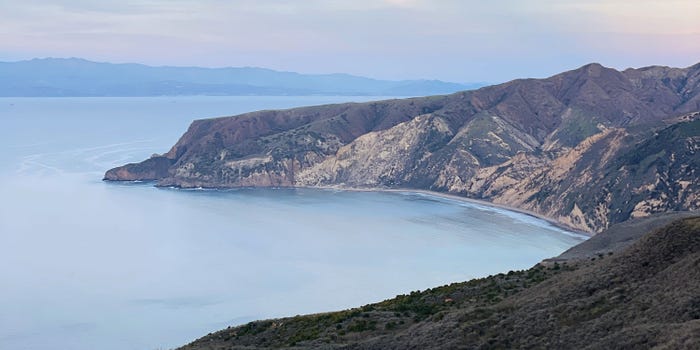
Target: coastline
436	194
458	198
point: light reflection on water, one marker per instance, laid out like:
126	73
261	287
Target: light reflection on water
93	265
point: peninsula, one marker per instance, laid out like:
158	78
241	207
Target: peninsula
587	148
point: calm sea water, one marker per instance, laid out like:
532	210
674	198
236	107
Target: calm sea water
92	265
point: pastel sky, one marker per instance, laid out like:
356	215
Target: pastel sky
453	40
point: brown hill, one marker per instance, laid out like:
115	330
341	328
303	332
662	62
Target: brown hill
643	297
588	147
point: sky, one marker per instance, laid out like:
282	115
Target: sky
451	40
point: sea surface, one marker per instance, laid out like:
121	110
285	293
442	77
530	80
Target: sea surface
86	264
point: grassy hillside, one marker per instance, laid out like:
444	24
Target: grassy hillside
642	297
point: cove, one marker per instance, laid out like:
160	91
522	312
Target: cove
87	264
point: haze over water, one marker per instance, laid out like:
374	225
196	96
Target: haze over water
91	265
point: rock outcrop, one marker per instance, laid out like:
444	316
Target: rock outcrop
589	147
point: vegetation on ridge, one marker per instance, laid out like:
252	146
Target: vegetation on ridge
386	317
642	297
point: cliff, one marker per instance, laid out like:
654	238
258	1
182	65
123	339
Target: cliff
589	148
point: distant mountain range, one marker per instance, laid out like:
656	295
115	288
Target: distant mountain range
59	77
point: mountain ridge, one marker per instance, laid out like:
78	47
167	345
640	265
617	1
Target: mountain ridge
533	144
80	77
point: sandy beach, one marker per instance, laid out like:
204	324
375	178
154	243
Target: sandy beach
458	198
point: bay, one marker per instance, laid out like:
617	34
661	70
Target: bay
86	264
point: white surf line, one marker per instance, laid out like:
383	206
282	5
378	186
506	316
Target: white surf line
24	167
123	156
95	148
466	201
516	214
33	159
76	151
94	157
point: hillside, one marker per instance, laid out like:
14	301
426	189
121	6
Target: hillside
534	144
61	77
618	237
642	297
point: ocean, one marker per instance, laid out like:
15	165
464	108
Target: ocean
86	264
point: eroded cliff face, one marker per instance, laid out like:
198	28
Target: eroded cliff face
589	147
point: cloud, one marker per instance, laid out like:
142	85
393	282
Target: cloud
463	40
637	16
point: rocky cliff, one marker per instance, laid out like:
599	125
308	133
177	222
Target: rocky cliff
589	147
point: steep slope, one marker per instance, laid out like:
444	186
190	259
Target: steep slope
643	297
535	144
618	237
